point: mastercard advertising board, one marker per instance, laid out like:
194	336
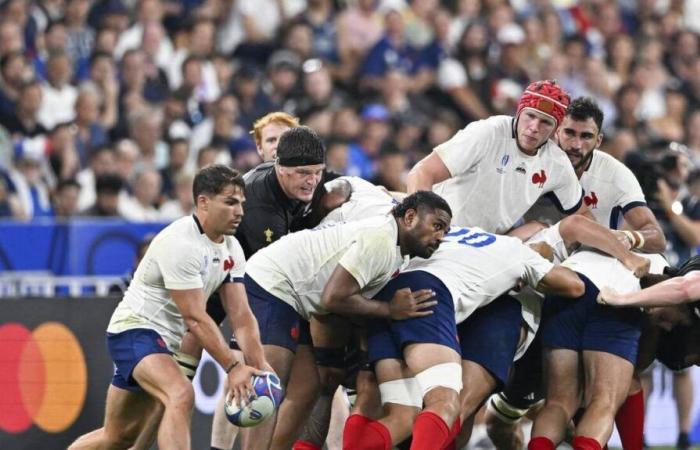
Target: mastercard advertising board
54	370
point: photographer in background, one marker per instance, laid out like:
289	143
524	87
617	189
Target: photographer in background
674	194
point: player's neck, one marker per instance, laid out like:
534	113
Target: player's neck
213	236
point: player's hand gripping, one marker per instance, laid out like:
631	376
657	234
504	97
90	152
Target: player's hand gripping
636	264
240	383
608	296
407	305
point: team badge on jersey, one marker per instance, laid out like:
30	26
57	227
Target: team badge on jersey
504	163
521	169
268	235
228	264
591	200
539	178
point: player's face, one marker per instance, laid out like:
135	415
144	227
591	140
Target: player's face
269	137
533	130
426	229
300	182
578	138
226	210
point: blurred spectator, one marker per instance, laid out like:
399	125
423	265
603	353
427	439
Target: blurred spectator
359	28
14	72
692	136
11	39
64	158
147	11
465	77
89	133
25	120
321	18
103	75
337	157
253	102
179	154
66	199
102	162
318	91
127	158
107	188
27	179
58	95
363	154
141	206
200	46
17	12
81	37
10	207
392	168
182	202
55	40
391	52
283	69
145	129
221	128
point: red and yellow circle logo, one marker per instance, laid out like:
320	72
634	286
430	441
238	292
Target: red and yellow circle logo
43	377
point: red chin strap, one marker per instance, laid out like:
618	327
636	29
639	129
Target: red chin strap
546	97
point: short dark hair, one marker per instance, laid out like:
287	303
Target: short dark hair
69	182
213	179
421	200
583	108
108	184
301	143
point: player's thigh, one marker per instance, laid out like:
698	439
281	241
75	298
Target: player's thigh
607	377
420	357
159	375
562	376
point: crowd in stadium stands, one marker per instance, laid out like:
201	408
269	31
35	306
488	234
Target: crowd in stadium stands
107	108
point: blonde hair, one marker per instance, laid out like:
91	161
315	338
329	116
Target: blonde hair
281	118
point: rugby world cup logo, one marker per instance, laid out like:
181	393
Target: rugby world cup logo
43	378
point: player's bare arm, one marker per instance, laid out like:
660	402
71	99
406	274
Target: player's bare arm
641	220
579	229
243	323
191	303
342	296
561	281
674	291
426	173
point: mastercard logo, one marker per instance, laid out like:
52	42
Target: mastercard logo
43	377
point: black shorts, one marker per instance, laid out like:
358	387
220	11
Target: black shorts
525	386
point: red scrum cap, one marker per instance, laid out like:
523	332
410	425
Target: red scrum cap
546	97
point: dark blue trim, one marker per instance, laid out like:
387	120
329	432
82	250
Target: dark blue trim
615	217
632	205
553	197
236	280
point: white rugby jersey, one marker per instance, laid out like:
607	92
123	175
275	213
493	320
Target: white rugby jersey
296	268
366	200
477	267
610	190
605	271
493	183
180	257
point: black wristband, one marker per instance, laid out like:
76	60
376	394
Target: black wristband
233	364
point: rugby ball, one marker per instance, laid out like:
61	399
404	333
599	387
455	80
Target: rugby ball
257	408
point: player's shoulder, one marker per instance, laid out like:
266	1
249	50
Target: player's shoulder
183	234
607	167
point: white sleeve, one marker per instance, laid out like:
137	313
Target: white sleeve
236	274
535	267
179	263
629	191
568	191
466	148
552	237
451	74
370	257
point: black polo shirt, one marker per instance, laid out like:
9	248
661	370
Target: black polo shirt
269	213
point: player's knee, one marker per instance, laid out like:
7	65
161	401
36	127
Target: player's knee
446	400
330	378
180	396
